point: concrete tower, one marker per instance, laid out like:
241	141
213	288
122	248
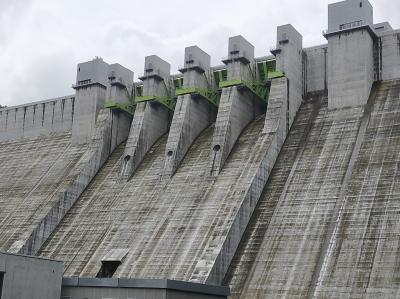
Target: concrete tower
91	90
350	38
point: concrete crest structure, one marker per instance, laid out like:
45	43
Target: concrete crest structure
275	176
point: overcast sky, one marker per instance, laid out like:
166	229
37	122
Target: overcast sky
41	41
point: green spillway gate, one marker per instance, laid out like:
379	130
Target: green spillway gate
210	95
165	101
257	87
128	107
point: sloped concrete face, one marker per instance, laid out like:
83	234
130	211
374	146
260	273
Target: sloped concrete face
150	122
237	108
332	184
80	176
193	113
191	116
350	68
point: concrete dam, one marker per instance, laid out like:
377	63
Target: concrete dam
275	176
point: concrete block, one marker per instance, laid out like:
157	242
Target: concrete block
390	55
30	277
240	56
290	61
350	68
316	69
348	14
91	72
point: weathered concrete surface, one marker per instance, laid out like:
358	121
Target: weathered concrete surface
97	153
37	119
350	68
316	69
289	60
390	55
192	113
151	120
237	108
32	174
30	277
42	177
186	228
89	100
191	116
264	155
279	254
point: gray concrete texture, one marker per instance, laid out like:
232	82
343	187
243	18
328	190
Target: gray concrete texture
192	114
240	59
30	277
350	68
151	119
390	55
308	216
349	11
334	182
290	61
53	116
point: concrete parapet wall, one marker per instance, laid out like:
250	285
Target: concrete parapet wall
391	55
266	152
237	109
101	145
192	115
35	119
350	68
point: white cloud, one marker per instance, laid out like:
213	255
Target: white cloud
41	41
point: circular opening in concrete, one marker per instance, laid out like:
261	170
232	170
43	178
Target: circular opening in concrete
127	158
217	148
169	154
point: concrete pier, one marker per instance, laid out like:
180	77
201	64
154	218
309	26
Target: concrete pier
119	91
90	96
238	106
193	113
288	52
151	119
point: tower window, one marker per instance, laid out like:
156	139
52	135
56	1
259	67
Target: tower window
360	4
